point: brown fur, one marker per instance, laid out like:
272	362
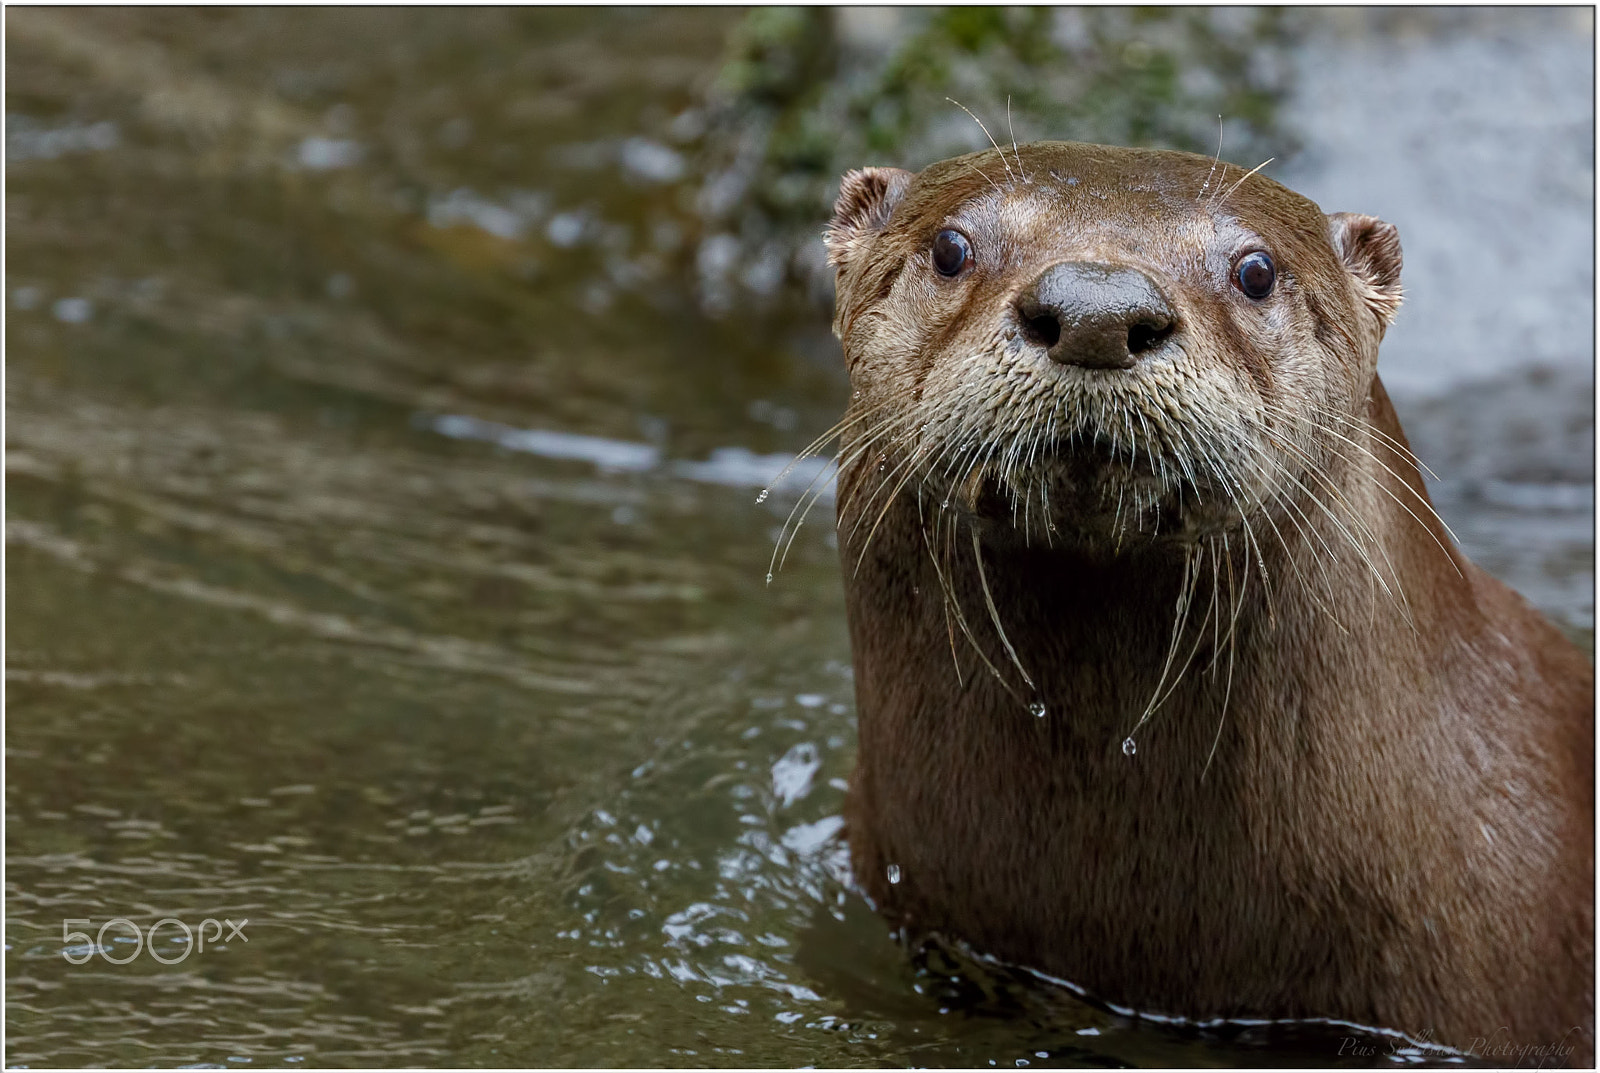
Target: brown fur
1369	796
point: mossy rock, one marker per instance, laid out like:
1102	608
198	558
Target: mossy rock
807	93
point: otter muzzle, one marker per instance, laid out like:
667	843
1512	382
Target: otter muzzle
1095	315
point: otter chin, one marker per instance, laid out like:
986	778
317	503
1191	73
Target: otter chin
1170	681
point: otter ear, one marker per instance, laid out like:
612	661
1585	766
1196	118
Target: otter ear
1370	250
867	197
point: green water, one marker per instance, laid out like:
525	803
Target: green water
505	751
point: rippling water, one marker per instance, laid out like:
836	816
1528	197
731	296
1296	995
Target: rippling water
385	571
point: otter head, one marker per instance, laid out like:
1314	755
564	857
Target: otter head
1082	345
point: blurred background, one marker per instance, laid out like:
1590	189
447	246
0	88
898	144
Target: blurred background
387	398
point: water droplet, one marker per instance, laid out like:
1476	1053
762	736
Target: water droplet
856	394
769	577
762	498
1128	747
893	871
916	590
1037	708
945	505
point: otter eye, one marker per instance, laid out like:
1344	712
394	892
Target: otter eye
1256	275
951	252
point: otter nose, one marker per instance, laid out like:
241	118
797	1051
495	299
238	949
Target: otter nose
1096	315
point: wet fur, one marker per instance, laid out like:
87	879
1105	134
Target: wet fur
1361	782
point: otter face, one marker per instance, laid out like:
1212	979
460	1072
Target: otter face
1078	344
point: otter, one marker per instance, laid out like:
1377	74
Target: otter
1171	684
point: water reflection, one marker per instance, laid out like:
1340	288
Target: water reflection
735	467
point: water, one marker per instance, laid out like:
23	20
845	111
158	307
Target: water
1488	172
385	574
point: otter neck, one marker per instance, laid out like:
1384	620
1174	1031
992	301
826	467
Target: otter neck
1051	651
970	793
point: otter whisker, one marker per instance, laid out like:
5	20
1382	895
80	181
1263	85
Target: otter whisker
948	545
847	505
1227	692
986	133
961	620
911	466
1364	425
960	448
1290	512
892	428
992	448
1027	536
1200	634
1387	491
1149	445
1251	540
994	614
1235	186
888	503
951	523
795	532
1014	150
839	429
1216	618
1396	592
1215	159
986	178
1432	511
1314	471
944	589
1261	568
812	490
1044	488
1180	617
826	476
1117	524
1320	558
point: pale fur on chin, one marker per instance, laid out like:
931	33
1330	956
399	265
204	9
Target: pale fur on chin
1188	457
